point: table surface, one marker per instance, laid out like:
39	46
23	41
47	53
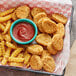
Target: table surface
8	72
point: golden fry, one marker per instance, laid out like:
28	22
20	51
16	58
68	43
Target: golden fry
10	45
44	39
27	58
2	27
20	55
1	38
4	23
1	58
1	52
6	18
7	27
15	59
6	12
16	64
16	52
14	17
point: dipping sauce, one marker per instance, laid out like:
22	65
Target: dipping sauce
23	31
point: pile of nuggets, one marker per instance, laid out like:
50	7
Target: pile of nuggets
49	39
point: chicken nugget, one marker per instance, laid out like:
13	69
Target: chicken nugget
35	49
39	16
45	53
48	64
57	42
49	26
51	50
36	10
22	11
59	18
14	17
43	39
36	62
60	29
40	24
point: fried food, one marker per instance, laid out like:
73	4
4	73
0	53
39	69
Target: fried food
6	18
36	10
39	16
6	12
22	11
36	62
30	17
0	52
14	17
59	18
48	64
2	27
60	29
57	42
49	26
16	52
16	64
35	49
20	55
15	59
40	24
45	53
43	39
51	50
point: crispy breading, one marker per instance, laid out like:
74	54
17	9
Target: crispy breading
57	42
36	62
35	49
36	10
22	11
39	16
49	26
48	64
43	39
59	18
51	50
14	17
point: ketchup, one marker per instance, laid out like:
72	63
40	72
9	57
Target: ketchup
23	31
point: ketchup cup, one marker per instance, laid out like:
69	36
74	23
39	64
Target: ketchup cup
27	21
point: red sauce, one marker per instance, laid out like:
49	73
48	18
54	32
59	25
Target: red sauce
23	31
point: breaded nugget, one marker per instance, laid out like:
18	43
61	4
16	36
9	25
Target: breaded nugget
40	24
39	16
35	49
14	17
45	53
60	29
59	18
22	11
48	64
49	26
51	50
57	42
43	39
36	10
36	62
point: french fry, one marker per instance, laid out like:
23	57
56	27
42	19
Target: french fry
14	43
27	65
16	64
6	12
10	45
16	52
2	27
15	59
7	54
1	38
0	52
7	27
1	58
4	23
25	53
6	18
27	58
20	55
3	47
7	38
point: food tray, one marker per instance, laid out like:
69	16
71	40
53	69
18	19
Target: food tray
41	72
